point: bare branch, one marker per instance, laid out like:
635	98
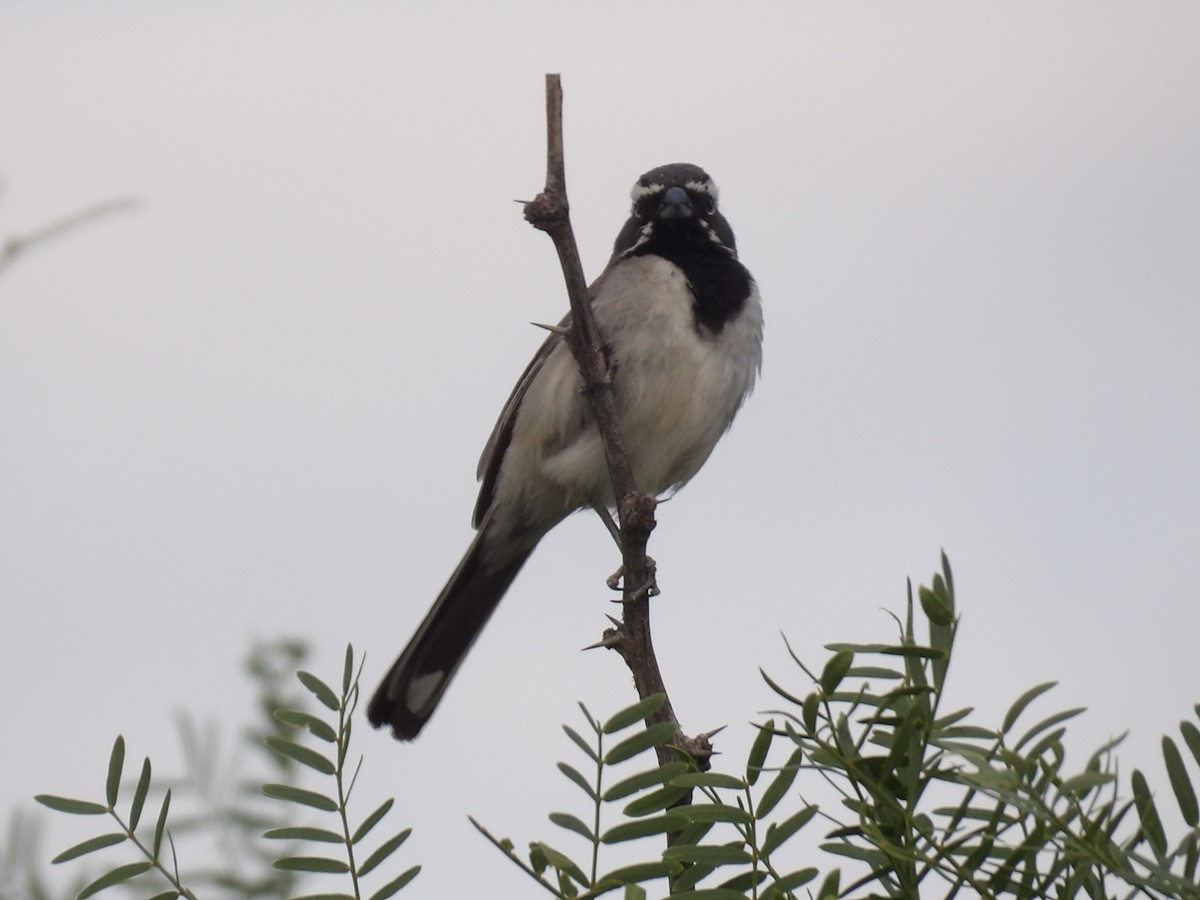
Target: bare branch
550	212
18	245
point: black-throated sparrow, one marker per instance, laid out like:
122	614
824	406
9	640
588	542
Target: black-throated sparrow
683	324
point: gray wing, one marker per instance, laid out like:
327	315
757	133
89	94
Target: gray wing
498	441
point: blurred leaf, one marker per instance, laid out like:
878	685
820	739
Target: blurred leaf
396	884
576	777
304	833
160	826
371	821
935	608
312	864
1148	813
717	780
560	861
299	795
707	854
1191	737
74	807
779	785
90	846
1180	783
759	750
116	764
835	670
631	715
116	876
639	872
319	689
829	886
139	795
581	743
714	812
386	849
299	719
654	801
572	823
1019	706
658	733
306	756
778	834
643	780
1048	722
627	831
790	882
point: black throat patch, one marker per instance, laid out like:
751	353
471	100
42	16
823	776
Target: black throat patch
719	283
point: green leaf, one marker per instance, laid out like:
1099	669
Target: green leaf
298	795
386	849
1180	783
581	743
348	670
556	858
810	710
304	833
312	864
829	887
1191	737
116	763
396	884
628	831
633	714
299	719
707	854
759	750
1018	707
574	775
658	733
717	893
372	820
572	823
714	812
160	826
639	872
139	796
74	807
778	834
835	670
1148	813
319	689
789	882
936	609
643	780
876	672
1047	723
90	846
306	756
779	785
634	892
116	876
654	801
715	780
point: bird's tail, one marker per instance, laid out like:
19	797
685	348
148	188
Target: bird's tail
414	685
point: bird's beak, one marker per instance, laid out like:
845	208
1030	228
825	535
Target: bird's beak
676	204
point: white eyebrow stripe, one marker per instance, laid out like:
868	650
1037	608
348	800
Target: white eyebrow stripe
643	190
703	187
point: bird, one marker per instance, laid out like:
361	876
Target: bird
682	321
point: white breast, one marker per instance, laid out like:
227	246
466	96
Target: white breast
677	388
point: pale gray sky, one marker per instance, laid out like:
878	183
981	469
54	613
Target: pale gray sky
254	405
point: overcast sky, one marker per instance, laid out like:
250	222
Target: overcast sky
253	405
